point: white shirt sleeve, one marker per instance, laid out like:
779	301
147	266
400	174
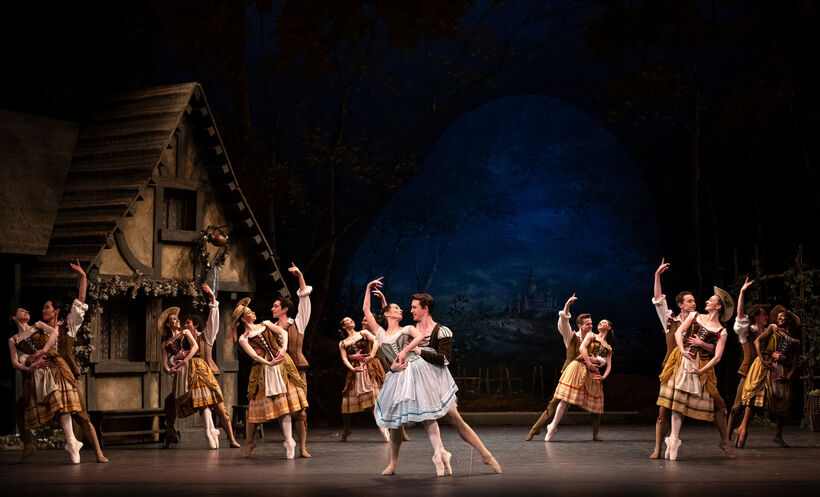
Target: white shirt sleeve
742	327
75	317
212	326
303	314
662	308
564	327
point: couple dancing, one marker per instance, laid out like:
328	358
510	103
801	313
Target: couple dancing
418	386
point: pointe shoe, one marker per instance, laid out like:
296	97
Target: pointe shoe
726	447
211	442
249	446
445	458
73	449
290	448
490	461
215	436
672	445
550	432
389	470
740	440
438	463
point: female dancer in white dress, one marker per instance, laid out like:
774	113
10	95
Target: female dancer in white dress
414	390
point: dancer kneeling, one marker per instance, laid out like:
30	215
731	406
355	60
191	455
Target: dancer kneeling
581	383
275	389
365	374
414	390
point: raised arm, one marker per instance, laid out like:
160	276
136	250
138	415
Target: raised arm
564	327
303	310
378	293
83	281
659	299
368	314
740	297
212	326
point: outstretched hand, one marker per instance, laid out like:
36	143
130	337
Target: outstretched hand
746	285
294	270
663	267
207	289
377	283
571	300
77	268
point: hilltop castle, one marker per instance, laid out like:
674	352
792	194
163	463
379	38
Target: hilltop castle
532	301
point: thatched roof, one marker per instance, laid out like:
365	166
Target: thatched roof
35	153
117	151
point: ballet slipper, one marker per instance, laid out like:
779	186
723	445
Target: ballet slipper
249	448
102	459
303	452
726	447
533	432
438	463
345	433
740	441
654	454
390	469
28	454
290	448
779	440
235	444
490	461
404	436
385	433
73	449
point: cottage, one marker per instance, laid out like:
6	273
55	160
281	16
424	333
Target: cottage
131	193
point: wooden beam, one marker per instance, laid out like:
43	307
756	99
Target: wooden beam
168	235
178	183
120	367
129	256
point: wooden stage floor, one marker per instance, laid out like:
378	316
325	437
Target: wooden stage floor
569	465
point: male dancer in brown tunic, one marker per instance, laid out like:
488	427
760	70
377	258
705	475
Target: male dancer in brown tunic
686	303
421	307
572	341
296	334
68	329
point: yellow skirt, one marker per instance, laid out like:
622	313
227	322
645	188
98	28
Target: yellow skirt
700	406
577	387
262	408
760	391
203	389
65	399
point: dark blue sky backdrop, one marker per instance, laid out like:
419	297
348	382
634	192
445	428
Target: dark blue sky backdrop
525	181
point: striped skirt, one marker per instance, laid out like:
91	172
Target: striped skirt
201	388
263	408
577	387
763	390
62	396
677	392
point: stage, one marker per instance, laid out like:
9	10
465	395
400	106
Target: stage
569	465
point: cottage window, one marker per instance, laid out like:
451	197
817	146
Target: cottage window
122	331
180	209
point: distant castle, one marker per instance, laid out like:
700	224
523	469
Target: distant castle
531	301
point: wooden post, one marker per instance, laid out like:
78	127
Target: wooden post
487	378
